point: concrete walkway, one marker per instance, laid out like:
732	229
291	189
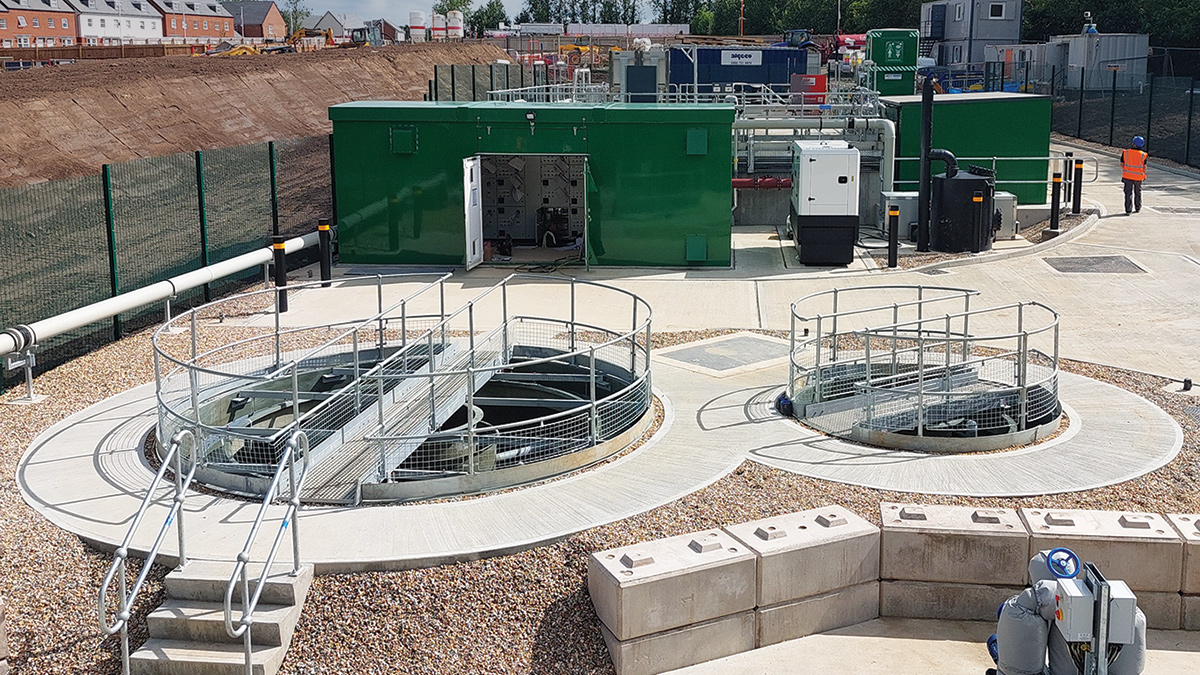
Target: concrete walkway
917	647
88	473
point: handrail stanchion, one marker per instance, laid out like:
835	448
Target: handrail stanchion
571	333
471	421
920	380
593	422
791	383
379	304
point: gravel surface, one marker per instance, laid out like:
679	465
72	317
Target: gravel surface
525	613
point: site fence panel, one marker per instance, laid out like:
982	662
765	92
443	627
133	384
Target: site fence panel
168	215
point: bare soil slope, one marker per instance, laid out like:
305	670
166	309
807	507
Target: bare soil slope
68	121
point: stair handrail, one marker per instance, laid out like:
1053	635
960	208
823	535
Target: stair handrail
128	598
297	445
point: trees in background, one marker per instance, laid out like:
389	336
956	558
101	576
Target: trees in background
294	13
1169	22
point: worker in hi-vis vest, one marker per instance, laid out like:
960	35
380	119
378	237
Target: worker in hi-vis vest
1133	172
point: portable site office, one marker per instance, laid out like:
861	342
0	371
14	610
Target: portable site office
437	183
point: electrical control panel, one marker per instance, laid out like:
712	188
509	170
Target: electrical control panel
1073	610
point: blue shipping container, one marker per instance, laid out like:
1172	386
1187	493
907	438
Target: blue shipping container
727	65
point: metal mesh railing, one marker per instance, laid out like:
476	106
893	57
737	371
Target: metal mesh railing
399	394
963	373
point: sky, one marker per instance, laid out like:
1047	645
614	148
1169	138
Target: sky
395	11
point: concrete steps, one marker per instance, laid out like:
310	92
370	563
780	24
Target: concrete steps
187	632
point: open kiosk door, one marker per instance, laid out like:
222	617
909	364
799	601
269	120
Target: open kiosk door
589	194
473	206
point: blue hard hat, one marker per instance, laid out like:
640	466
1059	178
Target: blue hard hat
1138	141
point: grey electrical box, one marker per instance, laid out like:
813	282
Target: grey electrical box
1006	204
908	204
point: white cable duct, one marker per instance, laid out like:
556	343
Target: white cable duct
884	126
20	337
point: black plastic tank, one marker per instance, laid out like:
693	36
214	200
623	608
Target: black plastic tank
957	222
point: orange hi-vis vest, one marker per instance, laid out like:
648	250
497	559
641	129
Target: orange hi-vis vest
1133	164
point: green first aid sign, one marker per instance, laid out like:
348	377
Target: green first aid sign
894	50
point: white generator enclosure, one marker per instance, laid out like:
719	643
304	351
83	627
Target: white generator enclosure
824	178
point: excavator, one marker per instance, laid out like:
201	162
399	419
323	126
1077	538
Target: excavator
295	38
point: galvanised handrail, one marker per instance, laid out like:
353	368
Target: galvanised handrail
297	444
128	598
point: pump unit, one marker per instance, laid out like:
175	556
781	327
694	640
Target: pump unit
825	192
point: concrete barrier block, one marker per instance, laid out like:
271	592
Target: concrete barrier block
682	647
1164	611
669	583
1191	612
844	607
956	544
1141	549
1188	525
952	602
810	552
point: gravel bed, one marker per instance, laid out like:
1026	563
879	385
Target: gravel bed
524	613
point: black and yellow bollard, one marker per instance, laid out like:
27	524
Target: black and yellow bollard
280	271
326	239
893	235
1055	195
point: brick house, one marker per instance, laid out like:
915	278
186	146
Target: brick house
203	20
37	23
113	22
258	20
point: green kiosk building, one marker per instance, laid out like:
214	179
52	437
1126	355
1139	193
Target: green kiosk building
445	183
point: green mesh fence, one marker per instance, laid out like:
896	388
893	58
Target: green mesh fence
53	239
54	234
237	201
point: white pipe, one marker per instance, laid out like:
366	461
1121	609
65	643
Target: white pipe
884	126
19	337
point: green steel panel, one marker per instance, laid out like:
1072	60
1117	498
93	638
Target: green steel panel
404	140
650	195
697	142
979	126
697	248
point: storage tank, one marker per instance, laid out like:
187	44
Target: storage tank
439	27
416	26
455	28
962	214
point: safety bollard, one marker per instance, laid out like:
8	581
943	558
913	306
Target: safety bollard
893	235
280	270
326	241
1077	187
1055	194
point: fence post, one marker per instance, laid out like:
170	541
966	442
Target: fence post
111	231
203	220
1112	109
474	82
1149	107
1082	86
1187	143
274	190
1053	77
453	85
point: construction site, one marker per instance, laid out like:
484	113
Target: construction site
684	356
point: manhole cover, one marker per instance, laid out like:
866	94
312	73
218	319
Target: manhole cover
1193	412
1179	210
934	273
728	354
1095	264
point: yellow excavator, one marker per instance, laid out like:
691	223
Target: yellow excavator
311	33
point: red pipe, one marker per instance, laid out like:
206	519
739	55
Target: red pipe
762	183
